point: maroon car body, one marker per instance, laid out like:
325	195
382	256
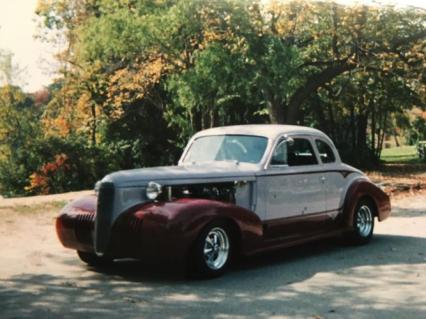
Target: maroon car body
196	199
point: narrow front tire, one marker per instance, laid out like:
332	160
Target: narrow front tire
212	251
94	260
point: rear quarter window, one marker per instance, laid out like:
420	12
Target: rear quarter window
325	152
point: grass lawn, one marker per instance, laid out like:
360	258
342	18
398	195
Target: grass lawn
402	154
402	171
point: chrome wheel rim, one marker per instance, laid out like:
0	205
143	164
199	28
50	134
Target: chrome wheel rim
216	248
364	221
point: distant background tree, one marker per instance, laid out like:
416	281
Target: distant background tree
10	72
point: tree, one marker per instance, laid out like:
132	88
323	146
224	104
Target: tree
10	72
139	77
18	127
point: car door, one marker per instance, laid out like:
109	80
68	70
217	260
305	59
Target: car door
292	187
335	179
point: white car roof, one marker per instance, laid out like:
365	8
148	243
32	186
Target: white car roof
267	130
270	131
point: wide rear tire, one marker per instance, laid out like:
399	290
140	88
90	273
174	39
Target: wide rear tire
363	223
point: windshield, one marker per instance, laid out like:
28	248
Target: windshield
241	148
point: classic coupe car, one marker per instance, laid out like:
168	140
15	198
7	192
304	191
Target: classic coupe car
236	190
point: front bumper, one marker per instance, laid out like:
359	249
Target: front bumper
76	230
138	233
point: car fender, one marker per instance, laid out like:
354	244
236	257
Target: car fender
174	225
360	188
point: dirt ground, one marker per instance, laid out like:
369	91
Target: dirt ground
400	178
385	279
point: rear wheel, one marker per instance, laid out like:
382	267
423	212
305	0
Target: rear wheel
212	250
94	260
363	222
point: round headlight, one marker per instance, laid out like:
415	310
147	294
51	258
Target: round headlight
153	190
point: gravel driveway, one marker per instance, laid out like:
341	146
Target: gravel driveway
386	279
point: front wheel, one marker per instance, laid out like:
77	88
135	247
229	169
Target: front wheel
212	250
363	222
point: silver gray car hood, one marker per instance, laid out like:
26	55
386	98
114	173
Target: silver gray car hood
185	174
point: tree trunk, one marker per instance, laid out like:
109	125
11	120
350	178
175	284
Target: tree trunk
311	85
382	138
196	120
362	131
214	116
319	113
332	123
352	125
276	113
373	131
94	123
205	119
395	136
275	109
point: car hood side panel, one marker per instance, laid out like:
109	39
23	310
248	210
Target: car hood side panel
184	174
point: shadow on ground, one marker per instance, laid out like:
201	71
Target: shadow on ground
323	279
409	212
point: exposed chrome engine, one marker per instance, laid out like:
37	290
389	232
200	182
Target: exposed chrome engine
218	191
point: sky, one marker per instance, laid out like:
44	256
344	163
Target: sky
17	30
18	26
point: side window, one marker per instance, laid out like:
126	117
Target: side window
325	152
300	152
294	152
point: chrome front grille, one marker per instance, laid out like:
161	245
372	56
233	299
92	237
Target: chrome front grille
85	220
84	224
104	213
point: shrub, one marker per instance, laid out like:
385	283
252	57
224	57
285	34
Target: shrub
52	165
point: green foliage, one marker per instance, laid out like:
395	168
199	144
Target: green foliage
54	165
31	163
84	163
140	138
212	92
417	130
118	35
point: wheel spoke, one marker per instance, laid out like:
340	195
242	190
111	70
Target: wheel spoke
209	241
216	248
215	239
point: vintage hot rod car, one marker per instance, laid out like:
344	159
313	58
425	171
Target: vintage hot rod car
237	189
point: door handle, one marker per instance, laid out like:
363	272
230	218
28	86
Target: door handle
323	179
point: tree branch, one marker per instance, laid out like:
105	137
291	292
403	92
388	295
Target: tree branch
412	38
312	84
322	63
